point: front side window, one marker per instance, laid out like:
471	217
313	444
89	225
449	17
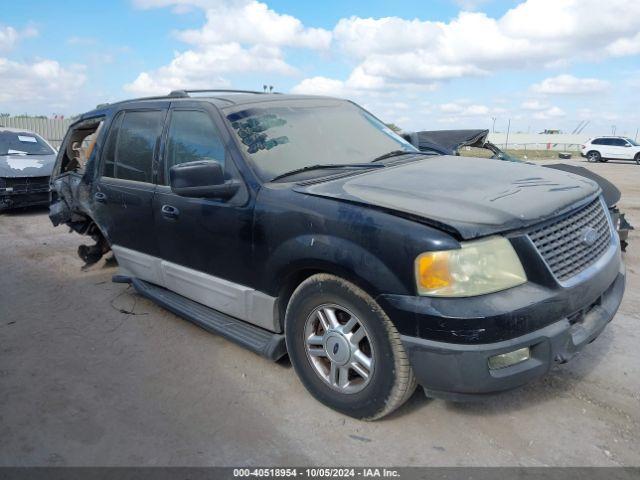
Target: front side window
618	142
193	136
131	145
23	143
289	135
633	142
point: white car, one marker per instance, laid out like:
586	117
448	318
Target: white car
602	149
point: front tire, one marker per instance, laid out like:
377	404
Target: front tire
345	350
637	158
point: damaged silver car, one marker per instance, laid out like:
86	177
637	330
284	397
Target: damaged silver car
26	161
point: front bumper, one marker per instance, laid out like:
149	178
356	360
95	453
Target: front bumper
21	200
456	371
23	192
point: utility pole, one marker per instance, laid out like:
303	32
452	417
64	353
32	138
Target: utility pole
506	142
635	139
493	127
613	129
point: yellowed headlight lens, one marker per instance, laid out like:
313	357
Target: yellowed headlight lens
432	270
478	267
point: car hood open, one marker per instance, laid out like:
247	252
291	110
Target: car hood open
14	166
449	140
471	197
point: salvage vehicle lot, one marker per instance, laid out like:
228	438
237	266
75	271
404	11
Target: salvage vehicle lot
93	374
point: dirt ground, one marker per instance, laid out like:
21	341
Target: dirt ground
92	374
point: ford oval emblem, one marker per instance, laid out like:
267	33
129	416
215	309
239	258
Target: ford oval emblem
588	236
335	348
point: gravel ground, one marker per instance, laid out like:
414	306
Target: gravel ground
92	374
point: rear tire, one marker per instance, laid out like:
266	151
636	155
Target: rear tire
637	158
345	350
594	156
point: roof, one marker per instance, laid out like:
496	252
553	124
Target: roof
611	136
220	98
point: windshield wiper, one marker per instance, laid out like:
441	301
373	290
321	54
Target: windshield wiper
396	153
325	166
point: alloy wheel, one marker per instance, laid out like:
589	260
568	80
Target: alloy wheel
338	347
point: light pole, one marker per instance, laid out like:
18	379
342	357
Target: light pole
493	127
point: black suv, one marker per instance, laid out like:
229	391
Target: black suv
302	225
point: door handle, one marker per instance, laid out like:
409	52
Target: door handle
100	197
170	211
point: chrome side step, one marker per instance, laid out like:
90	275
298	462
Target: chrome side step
265	343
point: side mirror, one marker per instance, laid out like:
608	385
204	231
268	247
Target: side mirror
627	144
203	178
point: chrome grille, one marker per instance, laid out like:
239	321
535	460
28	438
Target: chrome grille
562	243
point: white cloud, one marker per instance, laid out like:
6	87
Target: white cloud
321	86
9	36
466	109
253	23
30	84
553	112
570	85
625	46
534	105
203	68
243	36
533	34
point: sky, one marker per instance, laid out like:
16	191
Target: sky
538	64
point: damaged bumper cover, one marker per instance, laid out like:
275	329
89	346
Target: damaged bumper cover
23	192
459	368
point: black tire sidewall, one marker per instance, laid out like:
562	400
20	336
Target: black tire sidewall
373	397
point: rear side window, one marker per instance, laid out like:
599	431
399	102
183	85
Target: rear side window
193	136
132	144
598	141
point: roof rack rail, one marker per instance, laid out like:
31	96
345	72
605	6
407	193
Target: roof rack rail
185	93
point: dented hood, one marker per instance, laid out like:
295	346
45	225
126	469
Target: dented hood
473	197
13	166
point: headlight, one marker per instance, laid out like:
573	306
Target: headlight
479	267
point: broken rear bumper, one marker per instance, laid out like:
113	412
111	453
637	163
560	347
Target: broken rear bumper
458	371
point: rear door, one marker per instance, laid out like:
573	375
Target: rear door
604	147
123	192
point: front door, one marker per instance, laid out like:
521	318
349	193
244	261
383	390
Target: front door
205	243
616	148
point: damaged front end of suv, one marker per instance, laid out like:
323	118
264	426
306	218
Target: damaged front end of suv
451	142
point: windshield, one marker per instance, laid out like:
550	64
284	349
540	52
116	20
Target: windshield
633	142
23	143
290	135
